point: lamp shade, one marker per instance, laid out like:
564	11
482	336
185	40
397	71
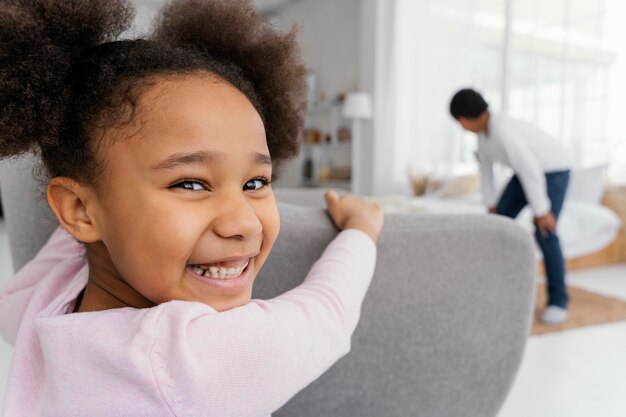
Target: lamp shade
357	106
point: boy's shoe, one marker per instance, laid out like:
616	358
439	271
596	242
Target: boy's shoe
554	315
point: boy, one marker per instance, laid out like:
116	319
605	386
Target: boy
541	175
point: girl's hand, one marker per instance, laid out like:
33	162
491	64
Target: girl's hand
352	212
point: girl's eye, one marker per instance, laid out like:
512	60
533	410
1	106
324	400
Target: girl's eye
191	185
256	184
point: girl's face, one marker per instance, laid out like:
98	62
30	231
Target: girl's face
185	208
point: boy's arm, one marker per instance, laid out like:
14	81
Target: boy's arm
250	360
529	171
486	179
16	294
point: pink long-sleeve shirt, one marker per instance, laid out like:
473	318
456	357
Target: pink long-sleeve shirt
179	358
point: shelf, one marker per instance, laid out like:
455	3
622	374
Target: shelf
337	184
318	160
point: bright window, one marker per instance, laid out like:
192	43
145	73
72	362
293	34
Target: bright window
566	72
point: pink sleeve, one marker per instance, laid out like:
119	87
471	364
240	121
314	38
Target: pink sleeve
251	360
15	296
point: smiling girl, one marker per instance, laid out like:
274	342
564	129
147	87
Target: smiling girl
161	153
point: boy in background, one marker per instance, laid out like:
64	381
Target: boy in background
541	175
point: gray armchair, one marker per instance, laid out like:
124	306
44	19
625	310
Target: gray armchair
443	325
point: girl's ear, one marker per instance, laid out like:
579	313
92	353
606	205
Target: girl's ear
73	205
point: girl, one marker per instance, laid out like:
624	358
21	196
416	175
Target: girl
160	153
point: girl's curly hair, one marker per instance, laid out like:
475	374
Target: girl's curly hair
64	72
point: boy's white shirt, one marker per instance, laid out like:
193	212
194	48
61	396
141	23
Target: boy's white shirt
528	150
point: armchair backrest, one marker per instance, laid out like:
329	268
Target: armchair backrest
443	326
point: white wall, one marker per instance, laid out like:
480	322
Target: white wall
328	37
146	10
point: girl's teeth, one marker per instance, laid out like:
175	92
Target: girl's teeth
219	272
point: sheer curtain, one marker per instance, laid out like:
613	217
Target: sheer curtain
565	70
440	46
567	75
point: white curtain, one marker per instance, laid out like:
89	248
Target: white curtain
440	46
567	75
565	71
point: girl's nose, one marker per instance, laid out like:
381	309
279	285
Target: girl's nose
237	219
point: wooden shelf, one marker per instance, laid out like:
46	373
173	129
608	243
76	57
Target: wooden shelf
327	162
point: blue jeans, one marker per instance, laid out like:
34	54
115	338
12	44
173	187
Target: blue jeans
513	200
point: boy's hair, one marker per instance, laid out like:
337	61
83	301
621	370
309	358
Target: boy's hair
467	103
65	75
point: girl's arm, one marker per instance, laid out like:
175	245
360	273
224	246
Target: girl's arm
16	294
251	360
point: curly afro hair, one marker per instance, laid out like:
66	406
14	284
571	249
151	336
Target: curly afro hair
64	72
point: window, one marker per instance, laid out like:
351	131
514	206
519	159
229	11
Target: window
565	71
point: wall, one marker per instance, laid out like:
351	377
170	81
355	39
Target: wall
328	34
146	10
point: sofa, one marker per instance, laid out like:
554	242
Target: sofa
443	326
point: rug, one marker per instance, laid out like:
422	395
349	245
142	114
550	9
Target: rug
585	309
